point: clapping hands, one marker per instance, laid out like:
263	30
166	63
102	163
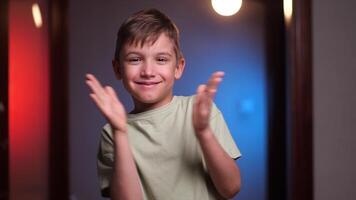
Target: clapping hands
203	102
108	103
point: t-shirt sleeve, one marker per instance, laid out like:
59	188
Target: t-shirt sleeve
105	161
222	133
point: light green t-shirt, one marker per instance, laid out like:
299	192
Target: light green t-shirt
167	154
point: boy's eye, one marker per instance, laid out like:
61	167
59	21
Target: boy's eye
134	60
162	60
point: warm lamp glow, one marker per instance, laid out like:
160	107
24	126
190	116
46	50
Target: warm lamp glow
226	7
288	9
36	13
29	104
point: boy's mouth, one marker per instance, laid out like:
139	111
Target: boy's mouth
147	83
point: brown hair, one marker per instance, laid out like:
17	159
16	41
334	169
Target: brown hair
146	26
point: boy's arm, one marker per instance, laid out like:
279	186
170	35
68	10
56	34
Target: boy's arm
222	169
125	183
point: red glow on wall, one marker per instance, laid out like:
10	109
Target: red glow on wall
28	103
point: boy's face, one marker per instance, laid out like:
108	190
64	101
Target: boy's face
149	72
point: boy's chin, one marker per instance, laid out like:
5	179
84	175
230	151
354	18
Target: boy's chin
151	100
148	100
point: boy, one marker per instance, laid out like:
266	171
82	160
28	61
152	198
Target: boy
167	147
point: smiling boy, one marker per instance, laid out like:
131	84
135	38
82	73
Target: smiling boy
167	147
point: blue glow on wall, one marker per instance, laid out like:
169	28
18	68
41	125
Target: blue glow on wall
238	50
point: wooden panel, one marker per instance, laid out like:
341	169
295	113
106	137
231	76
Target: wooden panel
276	87
290	106
59	145
300	86
4	149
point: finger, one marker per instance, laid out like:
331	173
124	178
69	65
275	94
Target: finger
215	78
98	103
112	93
98	92
92	79
199	93
213	83
219	73
95	99
201	89
203	99
94	84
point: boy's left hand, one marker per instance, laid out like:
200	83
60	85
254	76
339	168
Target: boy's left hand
203	102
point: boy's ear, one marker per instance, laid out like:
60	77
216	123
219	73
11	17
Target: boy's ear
180	68
116	67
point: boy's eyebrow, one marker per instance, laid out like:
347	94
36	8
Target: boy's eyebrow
164	53
138	53
132	52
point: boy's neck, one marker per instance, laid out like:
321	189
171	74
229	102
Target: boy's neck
140	107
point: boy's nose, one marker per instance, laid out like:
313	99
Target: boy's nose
147	70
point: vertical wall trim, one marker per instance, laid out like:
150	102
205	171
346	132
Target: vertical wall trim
276	88
4	114
300	85
59	144
289	61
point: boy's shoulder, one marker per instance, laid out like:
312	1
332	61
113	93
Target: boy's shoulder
188	103
184	99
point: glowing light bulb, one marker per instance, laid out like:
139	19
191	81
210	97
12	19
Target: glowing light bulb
288	9
226	7
37	17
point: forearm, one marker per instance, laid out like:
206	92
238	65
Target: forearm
125	181
222	169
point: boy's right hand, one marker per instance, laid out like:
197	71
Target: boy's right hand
110	106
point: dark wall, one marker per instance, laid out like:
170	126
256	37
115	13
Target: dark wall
334	47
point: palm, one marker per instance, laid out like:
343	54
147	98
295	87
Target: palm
106	100
203	102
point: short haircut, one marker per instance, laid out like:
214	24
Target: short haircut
146	26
